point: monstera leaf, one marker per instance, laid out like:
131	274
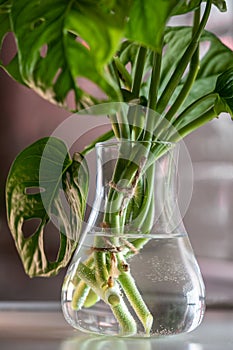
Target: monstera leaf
217	58
61	41
63	45
224	88
148	20
40	179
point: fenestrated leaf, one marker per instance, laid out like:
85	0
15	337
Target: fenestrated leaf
60	41
217	58
35	190
147	21
5	27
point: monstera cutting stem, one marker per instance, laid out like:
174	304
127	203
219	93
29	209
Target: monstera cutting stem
168	90
107	271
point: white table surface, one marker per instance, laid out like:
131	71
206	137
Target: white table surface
37	326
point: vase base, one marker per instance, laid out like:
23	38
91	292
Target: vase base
100	320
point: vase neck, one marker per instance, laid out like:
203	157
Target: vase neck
136	189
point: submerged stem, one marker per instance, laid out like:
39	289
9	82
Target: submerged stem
126	320
133	295
112	297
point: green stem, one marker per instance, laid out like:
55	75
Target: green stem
146	225
178	122
155	80
87	275
123	74
126	321
193	70
134	118
185	118
82	289
114	72
151	121
133	295
115	126
183	63
101	272
91	299
123	125
97	277
138	74
143	221
80	295
195	124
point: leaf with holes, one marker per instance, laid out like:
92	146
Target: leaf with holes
45	184
60	41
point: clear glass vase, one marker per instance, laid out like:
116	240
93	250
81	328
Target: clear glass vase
134	272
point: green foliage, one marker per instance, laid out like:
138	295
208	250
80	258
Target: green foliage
72	48
34	189
186	6
127	51
147	21
4	18
220	4
224	88
217	58
77	39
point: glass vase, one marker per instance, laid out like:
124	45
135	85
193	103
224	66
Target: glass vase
134	272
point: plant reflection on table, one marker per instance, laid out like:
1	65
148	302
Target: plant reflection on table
114	343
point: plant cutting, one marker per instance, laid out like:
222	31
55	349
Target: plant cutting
156	86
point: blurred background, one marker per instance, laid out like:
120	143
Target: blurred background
25	117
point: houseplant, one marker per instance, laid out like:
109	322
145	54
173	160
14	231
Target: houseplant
130	54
